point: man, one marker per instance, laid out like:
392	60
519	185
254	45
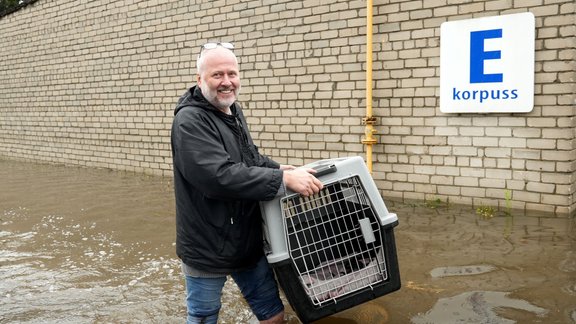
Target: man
219	178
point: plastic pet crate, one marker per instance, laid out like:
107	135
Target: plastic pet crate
336	249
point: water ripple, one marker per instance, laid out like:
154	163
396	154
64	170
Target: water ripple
475	307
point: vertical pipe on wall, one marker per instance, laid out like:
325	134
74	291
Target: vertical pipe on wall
369	120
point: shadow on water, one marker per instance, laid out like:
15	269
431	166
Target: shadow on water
96	246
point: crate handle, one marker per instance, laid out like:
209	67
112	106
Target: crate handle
323	170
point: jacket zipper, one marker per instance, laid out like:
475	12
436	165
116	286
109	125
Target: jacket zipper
243	141
243	137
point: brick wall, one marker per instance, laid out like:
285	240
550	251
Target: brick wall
94	83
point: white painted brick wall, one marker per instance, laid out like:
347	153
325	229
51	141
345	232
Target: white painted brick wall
94	83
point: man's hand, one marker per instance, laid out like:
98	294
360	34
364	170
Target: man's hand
302	181
286	167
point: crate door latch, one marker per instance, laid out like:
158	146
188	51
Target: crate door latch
366	229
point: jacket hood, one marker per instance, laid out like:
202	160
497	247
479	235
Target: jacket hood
192	98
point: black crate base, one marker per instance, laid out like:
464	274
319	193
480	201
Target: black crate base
307	312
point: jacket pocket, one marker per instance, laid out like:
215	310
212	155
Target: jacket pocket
223	221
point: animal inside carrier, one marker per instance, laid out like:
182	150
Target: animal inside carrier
336	249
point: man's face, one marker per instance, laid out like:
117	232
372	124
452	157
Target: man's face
219	79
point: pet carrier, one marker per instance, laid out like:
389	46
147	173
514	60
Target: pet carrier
336	249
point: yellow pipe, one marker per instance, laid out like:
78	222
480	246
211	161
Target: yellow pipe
369	59
369	120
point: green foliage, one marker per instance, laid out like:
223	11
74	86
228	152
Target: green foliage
9	6
508	198
486	211
434	203
489	212
5	5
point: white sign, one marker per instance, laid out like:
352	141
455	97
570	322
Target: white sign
487	64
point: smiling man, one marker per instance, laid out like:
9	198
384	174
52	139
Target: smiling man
219	179
219	79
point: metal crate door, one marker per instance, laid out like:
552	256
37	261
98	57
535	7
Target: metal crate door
334	240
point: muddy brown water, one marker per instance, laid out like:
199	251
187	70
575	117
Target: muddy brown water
82	245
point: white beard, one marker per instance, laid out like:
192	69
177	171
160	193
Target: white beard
212	97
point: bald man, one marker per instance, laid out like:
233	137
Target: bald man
219	178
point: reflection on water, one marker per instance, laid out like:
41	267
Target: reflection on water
475	307
97	246
460	271
462	268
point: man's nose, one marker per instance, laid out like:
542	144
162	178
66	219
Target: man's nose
226	80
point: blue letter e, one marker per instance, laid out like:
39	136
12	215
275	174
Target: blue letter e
478	56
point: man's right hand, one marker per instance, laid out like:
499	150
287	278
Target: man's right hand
302	181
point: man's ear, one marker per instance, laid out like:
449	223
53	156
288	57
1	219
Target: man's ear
198	79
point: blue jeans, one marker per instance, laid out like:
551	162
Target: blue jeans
257	285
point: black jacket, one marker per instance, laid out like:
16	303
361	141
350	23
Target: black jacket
219	178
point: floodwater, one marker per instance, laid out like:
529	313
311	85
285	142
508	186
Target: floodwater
84	245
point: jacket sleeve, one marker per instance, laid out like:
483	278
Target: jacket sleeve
265	161
201	157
